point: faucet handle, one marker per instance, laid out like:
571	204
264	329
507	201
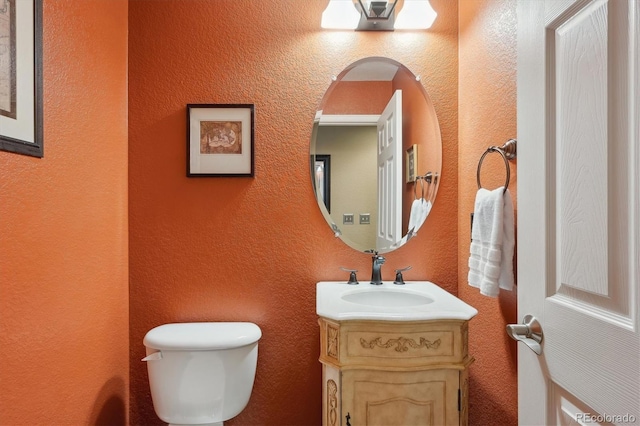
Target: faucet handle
399	279
353	280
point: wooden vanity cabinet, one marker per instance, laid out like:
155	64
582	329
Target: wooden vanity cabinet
394	373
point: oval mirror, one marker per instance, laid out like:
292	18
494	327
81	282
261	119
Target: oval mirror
376	155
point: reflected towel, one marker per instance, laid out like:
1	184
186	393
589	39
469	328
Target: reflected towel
493	241
419	211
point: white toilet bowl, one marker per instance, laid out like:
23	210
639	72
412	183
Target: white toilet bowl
201	373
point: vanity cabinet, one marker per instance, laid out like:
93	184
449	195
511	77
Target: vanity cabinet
394	373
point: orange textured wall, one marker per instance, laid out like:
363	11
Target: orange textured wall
358	97
223	249
63	234
487	116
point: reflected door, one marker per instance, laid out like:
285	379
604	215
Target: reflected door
389	228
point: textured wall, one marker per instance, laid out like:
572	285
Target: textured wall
63	232
252	249
487	116
358	97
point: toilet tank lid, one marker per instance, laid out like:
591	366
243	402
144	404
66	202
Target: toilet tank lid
202	336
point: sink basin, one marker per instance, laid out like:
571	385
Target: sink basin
384	298
414	301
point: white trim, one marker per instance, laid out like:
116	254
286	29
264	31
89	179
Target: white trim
349	120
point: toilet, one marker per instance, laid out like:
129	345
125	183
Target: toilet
201	373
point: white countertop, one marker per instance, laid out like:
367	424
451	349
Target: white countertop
414	301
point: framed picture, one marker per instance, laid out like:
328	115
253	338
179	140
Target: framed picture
21	77
412	163
322	179
220	139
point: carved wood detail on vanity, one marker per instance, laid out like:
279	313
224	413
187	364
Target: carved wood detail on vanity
401	344
332	341
332	402
406	344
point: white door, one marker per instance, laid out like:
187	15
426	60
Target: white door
578	210
390	173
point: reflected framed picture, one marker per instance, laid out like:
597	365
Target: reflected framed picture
21	77
412	163
220	140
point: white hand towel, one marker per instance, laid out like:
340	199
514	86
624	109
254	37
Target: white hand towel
493	241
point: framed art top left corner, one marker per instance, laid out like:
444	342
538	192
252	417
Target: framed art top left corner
21	129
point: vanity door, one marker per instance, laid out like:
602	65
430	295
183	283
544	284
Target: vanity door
400	398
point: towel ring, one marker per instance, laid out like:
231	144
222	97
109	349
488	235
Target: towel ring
415	184
507	152
431	189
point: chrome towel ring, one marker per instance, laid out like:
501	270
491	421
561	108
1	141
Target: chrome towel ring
415	184
431	179
508	152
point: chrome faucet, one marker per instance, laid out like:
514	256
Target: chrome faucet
376	269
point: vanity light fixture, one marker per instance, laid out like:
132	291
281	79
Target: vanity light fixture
363	15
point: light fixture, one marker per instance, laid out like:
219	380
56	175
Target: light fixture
363	15
415	15
340	15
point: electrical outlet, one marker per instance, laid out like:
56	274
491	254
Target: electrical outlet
365	218
347	219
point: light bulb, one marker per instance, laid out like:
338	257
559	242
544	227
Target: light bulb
340	15
415	15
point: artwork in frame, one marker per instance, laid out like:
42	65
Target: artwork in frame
21	77
220	140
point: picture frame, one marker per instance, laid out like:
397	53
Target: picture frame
21	128
411	163
220	140
322	179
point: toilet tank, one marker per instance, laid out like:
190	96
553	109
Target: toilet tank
201	372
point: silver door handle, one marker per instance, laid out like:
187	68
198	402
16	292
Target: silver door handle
529	332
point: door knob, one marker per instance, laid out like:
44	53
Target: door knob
529	332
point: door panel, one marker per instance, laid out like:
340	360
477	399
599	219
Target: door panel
578	224
579	43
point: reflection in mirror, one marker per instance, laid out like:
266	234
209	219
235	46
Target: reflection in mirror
376	155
